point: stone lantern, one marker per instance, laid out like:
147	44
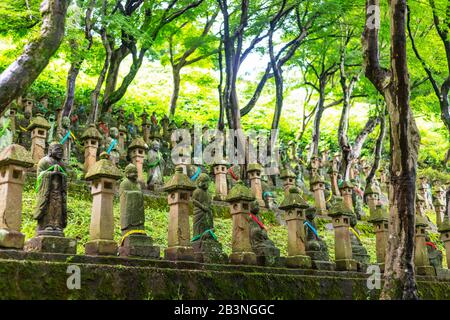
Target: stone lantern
421	260
288	178
380	219
346	193
14	160
137	150
318	187
91	138
295	206
439	208
444	230
372	194
122	138
104	176
39	127
179	189
254	175
341	215
12	117
220	174
239	199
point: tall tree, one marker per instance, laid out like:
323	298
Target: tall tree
139	26
16	79
393	84
194	48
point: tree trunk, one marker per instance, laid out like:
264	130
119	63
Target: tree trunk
70	87
16	79
393	84
378	149
176	89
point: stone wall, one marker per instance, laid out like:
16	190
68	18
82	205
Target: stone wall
29	276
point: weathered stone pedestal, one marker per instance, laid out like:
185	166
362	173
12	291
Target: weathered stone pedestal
379	218
421	260
137	150
179	190
343	248
445	237
220	173
101	233
254	175
51	244
14	160
372	194
139	245
209	252
239	199
38	127
90	138
295	206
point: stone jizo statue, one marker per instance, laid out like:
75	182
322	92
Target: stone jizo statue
205	244
264	248
135	241
51	187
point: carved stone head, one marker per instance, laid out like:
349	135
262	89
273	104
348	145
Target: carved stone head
131	172
55	151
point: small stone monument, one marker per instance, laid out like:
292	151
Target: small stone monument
359	253
51	205
372	194
220	174
137	150
205	244
335	164
318	187
155	167
145	127
254	174
439	204
444	230
343	248
101	232
316	248
38	127
239	199
267	254
347	194
421	260
90	137
295	206
179	189
122	139
135	241
288	178
379	218
14	160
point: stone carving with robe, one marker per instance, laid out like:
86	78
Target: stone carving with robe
51	209
135	241
112	142
155	165
316	247
205	244
264	248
